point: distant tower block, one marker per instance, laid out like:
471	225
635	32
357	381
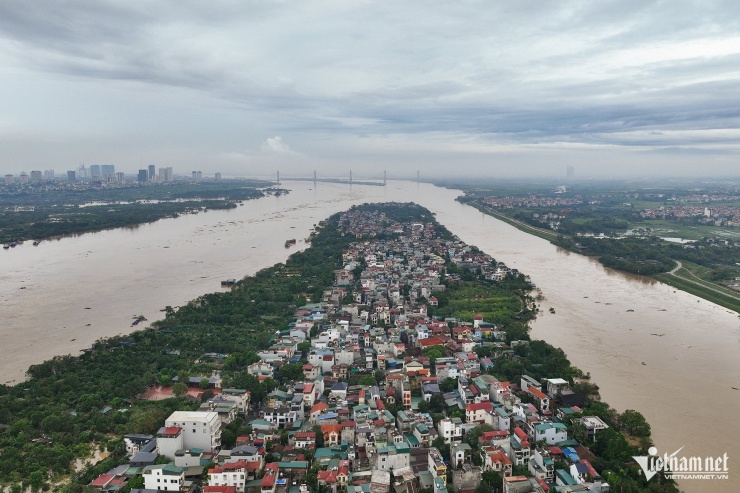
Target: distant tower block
385	181
569	171
314	177
417	176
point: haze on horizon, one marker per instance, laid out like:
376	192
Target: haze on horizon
245	88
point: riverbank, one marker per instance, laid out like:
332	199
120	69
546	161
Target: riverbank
677	278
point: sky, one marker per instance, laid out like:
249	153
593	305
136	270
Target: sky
468	88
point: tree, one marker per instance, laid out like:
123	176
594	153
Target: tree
379	376
634	423
493	478
367	381
290	372
179	389
437	403
203	383
448	385
474	435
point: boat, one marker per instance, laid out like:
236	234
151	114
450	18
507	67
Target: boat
6	246
36	242
228	282
289	243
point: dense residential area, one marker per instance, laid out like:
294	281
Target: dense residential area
411	372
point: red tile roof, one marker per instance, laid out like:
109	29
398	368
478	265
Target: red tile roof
537	393
485	405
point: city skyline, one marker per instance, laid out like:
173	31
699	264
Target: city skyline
612	89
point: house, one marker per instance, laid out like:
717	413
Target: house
135	442
163	477
460	453
496	460
540	398
552	433
230	474
332	434
592	425
450	429
281	417
262	369
311	371
435	463
479	413
304	439
239	396
520	447
198	429
392	456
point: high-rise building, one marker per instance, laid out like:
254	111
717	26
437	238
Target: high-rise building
71	176
35	176
165	174
151	171
23	178
82	171
8	179
218	176
143	176
95	172
49	174
108	169
120	177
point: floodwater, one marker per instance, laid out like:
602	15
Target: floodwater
649	347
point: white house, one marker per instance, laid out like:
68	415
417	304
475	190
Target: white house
450	429
163	477
199	429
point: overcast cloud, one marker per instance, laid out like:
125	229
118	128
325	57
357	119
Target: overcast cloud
246	88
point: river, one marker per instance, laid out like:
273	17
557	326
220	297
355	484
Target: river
649	347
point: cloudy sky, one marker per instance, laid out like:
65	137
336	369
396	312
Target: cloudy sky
500	88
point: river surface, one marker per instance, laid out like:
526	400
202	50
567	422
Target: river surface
666	353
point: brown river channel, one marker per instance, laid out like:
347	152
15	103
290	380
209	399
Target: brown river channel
666	353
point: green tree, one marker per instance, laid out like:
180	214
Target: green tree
634	423
290	372
367	381
179	389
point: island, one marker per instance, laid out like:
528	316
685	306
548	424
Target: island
387	356
54	209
